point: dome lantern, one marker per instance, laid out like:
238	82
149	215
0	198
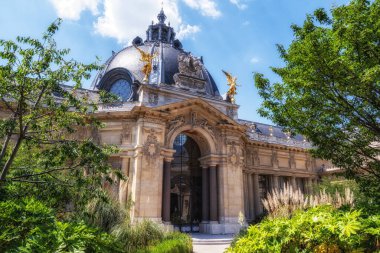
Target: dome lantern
161	17
160	32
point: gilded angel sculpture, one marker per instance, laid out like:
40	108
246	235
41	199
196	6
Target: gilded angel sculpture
146	58
232	83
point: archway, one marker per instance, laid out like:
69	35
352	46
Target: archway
186	185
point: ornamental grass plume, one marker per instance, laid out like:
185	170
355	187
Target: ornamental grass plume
283	202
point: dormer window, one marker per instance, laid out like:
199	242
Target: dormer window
121	88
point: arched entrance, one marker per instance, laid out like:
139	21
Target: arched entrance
186	185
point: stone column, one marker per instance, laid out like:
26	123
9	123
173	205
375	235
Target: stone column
256	194
166	192
250	197
275	183
123	188
294	183
246	198
213	195
309	185
205	195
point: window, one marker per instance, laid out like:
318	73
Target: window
121	88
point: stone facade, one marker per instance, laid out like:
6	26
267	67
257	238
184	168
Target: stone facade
220	167
190	161
239	169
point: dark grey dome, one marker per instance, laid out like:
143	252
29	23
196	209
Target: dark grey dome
160	41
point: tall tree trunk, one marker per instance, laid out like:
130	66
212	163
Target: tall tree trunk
9	162
5	146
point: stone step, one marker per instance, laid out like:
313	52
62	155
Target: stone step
206	239
212	242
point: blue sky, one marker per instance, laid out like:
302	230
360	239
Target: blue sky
235	35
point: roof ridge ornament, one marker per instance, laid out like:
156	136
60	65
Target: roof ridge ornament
232	84
146	58
161	16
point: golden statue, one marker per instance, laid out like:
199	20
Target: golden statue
232	83
146	58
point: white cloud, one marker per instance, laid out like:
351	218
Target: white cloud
254	60
186	31
239	4
126	19
71	9
206	7
245	23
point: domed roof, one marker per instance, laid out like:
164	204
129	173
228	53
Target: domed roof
172	67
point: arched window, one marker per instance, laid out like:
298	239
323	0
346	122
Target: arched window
121	88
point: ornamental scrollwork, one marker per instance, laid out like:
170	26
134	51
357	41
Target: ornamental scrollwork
152	147
176	123
234	154
190	74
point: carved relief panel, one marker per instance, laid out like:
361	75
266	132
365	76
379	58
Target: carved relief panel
274	159
152	148
234	153
190	74
126	133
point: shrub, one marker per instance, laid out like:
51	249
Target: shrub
283	202
319	229
173	243
138	236
104	213
29	226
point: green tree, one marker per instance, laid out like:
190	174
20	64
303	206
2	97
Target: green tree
43	107
330	89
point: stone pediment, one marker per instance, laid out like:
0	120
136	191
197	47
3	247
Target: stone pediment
201	107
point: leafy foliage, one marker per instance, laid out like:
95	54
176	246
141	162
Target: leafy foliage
319	229
48	137
30	226
173	243
138	236
330	89
43	114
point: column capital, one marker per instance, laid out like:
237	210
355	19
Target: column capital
168	159
210	159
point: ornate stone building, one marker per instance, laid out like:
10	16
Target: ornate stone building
190	161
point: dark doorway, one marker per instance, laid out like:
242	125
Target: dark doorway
186	185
